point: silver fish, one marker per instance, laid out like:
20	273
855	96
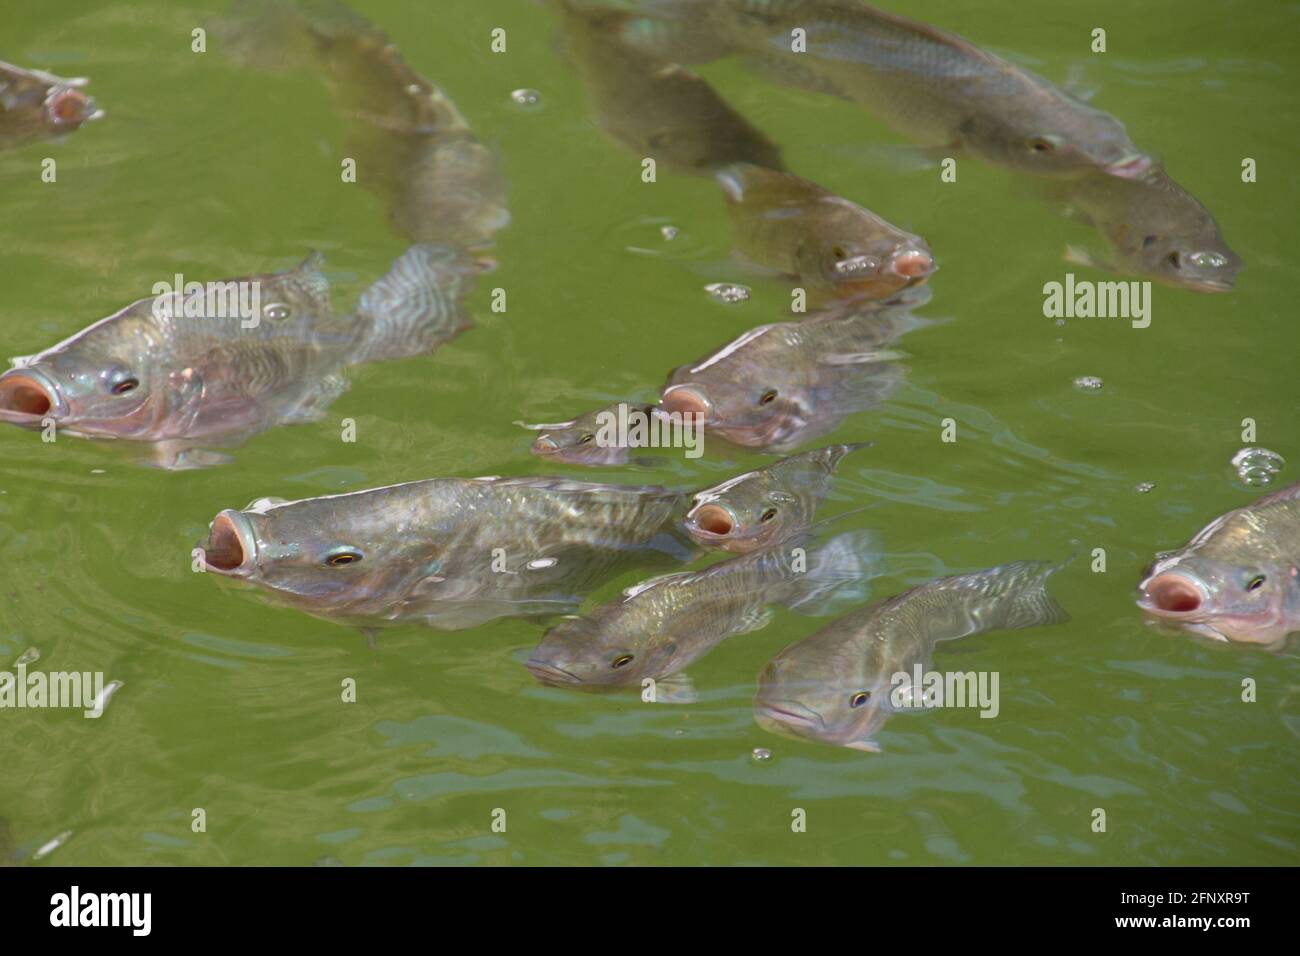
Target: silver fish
760	508
838	686
660	626
232	358
447	552
37	106
1238	579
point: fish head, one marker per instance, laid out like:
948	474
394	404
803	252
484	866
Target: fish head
813	692
860	256
759	508
579	441
336	556
1250	599
1068	142
66	107
105	381
1200	262
610	647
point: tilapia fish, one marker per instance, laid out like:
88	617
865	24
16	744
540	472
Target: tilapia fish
36	106
1238	579
760	508
660	626
655	108
933	86
831	244
579	442
1155	228
447	552
780	385
411	144
839	686
226	360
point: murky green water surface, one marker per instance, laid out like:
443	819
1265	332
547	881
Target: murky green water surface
234	707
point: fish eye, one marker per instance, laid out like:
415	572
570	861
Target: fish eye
276	311
338	559
1175	260
1150	241
622	660
1041	144
1255	583
767	397
586	439
124	386
858	699
768	515
838	252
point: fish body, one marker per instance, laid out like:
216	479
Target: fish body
837	685
659	109
229	359
760	508
448	552
1238	579
798	228
934	86
37	106
1155	228
660	626
780	385
410	142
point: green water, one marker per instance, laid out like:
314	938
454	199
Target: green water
234	707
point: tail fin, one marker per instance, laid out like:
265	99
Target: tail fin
417	306
838	571
1014	596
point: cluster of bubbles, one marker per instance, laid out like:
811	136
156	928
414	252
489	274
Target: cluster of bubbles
1089	383
526	98
728	291
1256	466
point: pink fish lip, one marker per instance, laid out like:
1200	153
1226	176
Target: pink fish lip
686	400
1172	595
711	521
27	396
231	548
545	446
548	673
913	264
67	108
1131	167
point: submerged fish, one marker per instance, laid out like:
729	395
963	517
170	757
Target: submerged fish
410	142
36	106
580	441
449	552
780	385
1238	579
932	85
230	359
1154	228
656	108
760	508
660	626
840	685
796	227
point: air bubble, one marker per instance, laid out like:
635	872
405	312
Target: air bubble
1089	383
729	292
1256	466
528	99
761	753
1145	486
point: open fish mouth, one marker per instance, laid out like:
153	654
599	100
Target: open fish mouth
27	397
548	673
712	522
1172	595
231	548
1131	167
687	400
